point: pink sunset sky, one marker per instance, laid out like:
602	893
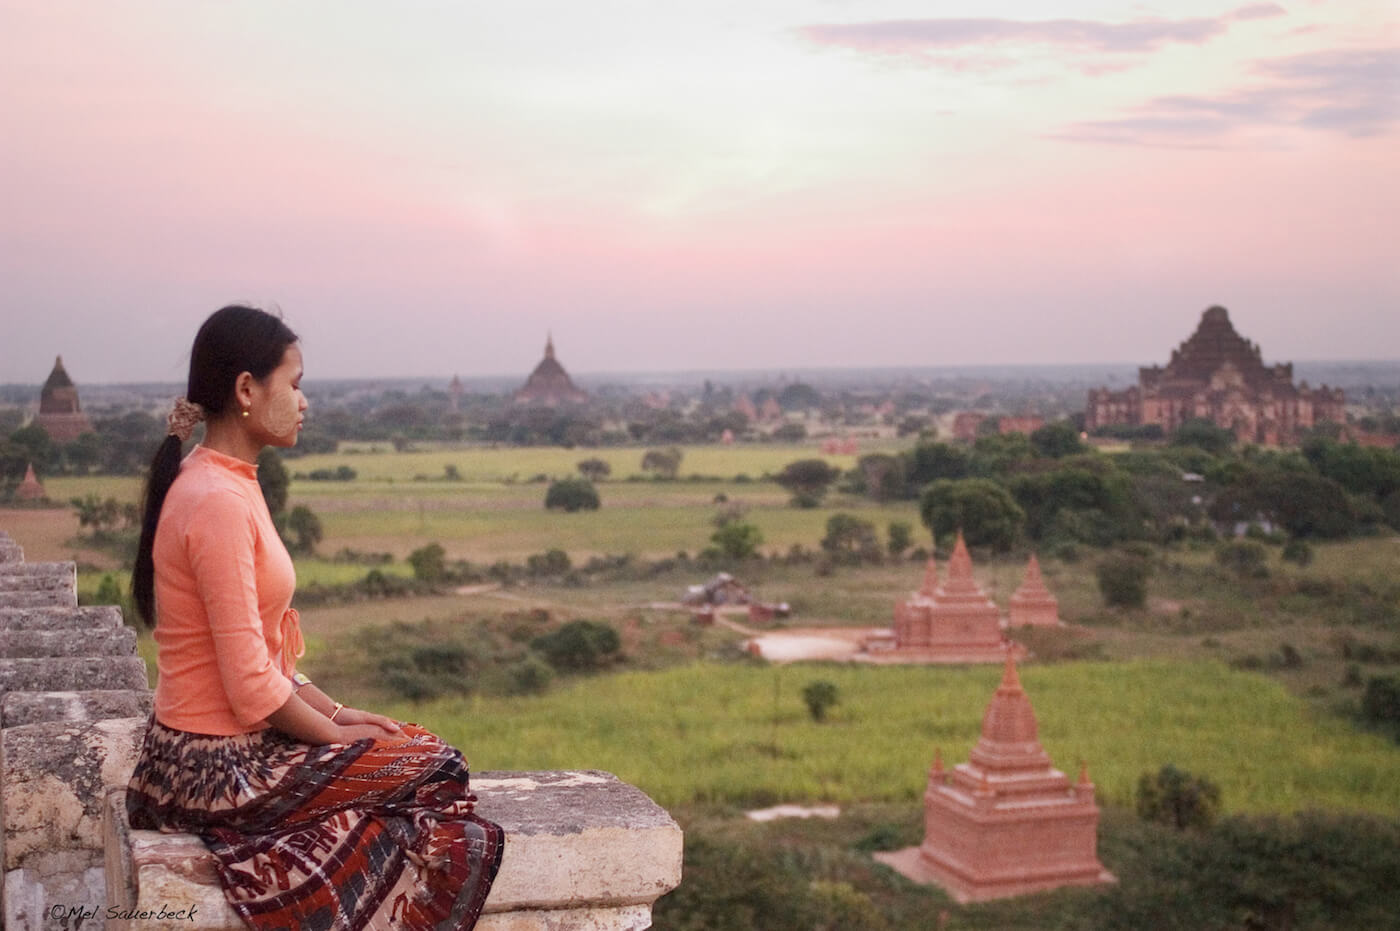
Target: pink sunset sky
426	188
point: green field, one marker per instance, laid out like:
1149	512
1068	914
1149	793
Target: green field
740	735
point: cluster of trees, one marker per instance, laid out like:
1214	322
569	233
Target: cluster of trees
1049	488
120	445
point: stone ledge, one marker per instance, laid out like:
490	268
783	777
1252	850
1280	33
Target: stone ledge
584	852
20	708
39	644
87	617
69	673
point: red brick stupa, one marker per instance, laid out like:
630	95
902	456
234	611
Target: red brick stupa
1032	605
549	385
30	489
1006	822
950	623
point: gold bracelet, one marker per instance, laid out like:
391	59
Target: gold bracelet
339	707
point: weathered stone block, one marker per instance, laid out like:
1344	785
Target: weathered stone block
60	618
55	778
20	708
38	576
62	890
70	673
34	644
10	552
53	598
584	852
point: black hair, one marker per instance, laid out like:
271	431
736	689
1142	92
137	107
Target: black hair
232	341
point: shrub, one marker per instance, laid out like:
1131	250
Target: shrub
572	494
1123	580
429	562
579	646
737	540
1245	558
1177	798
819	696
549	563
594	469
530	675
1380	703
1297	551
900	536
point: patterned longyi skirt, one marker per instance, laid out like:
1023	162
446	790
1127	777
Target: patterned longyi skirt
375	834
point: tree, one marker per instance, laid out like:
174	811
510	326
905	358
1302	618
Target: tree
737	539
579	646
594	469
1204	434
1175	797
572	494
819	696
799	396
1123	580
306	527
929	462
664	462
851	539
983	509
807	480
900	537
881	476
273	478
429	562
1057	440
99	514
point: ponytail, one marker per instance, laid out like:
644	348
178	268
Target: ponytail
164	468
233	340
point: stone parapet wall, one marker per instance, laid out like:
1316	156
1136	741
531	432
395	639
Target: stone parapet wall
584	851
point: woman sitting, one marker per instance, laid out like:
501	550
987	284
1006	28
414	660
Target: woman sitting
318	815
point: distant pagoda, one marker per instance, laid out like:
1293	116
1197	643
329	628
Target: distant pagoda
60	413
549	385
30	489
1220	376
1007	822
952	622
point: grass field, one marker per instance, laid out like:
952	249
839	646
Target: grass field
740	735
512	463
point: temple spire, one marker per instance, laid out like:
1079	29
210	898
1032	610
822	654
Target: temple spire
549	344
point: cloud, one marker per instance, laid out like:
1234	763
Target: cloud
1258	11
920	37
1348	91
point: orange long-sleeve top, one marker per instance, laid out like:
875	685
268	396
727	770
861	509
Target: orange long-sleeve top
227	635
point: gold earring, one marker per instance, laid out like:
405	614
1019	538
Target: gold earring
245	411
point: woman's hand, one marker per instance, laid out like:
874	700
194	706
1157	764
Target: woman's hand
367	724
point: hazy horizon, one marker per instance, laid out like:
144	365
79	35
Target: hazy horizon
800	184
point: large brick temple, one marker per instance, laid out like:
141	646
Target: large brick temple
549	384
1218	375
60	413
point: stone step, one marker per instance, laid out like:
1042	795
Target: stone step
10	552
21	708
584	852
69	673
101	641
60	618
47	599
23	576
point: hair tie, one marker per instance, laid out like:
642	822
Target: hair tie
183	418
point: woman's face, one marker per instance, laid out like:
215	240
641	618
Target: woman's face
278	404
